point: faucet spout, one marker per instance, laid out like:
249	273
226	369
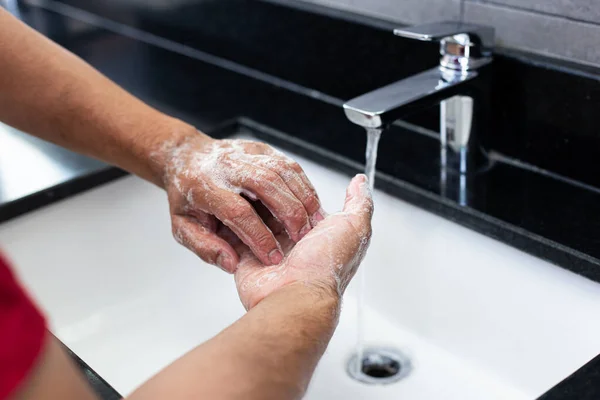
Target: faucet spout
383	106
466	51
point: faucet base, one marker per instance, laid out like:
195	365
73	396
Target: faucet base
459	148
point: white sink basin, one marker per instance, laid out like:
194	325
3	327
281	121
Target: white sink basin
479	319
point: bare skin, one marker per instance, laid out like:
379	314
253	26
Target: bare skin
329	255
272	351
227	169
50	93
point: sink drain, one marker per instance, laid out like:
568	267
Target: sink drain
380	366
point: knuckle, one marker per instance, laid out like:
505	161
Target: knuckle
298	215
272	185
311	203
279	165
263	240
273	178
241	213
242	222
268	149
264	146
295	166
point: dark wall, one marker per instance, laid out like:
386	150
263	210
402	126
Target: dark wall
544	113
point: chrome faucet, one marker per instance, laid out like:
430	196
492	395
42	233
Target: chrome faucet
459	84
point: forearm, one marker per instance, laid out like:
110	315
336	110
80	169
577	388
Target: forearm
53	94
270	353
54	376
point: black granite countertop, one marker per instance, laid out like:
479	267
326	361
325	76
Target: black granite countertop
293	108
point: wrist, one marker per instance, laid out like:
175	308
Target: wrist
314	295
323	291
174	133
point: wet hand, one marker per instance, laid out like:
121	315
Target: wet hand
326	258
208	183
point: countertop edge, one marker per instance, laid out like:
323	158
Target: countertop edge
52	194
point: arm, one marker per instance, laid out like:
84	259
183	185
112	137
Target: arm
54	377
52	94
245	361
272	351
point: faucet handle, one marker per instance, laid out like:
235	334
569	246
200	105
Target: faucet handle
462	45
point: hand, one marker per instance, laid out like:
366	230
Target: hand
326	258
206	181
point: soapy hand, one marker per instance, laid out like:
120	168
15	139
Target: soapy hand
326	258
209	183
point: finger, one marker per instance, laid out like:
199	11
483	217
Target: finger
275	226
294	177
205	243
227	234
243	220
248	260
359	200
240	248
272	191
272	223
244	251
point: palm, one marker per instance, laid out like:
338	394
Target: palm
328	256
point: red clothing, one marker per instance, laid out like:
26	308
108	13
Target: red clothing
22	332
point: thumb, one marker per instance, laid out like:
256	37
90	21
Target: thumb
359	200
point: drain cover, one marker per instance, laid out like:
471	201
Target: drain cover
380	366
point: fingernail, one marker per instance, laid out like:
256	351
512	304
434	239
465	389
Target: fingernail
276	256
358	184
362	177
225	263
305	229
